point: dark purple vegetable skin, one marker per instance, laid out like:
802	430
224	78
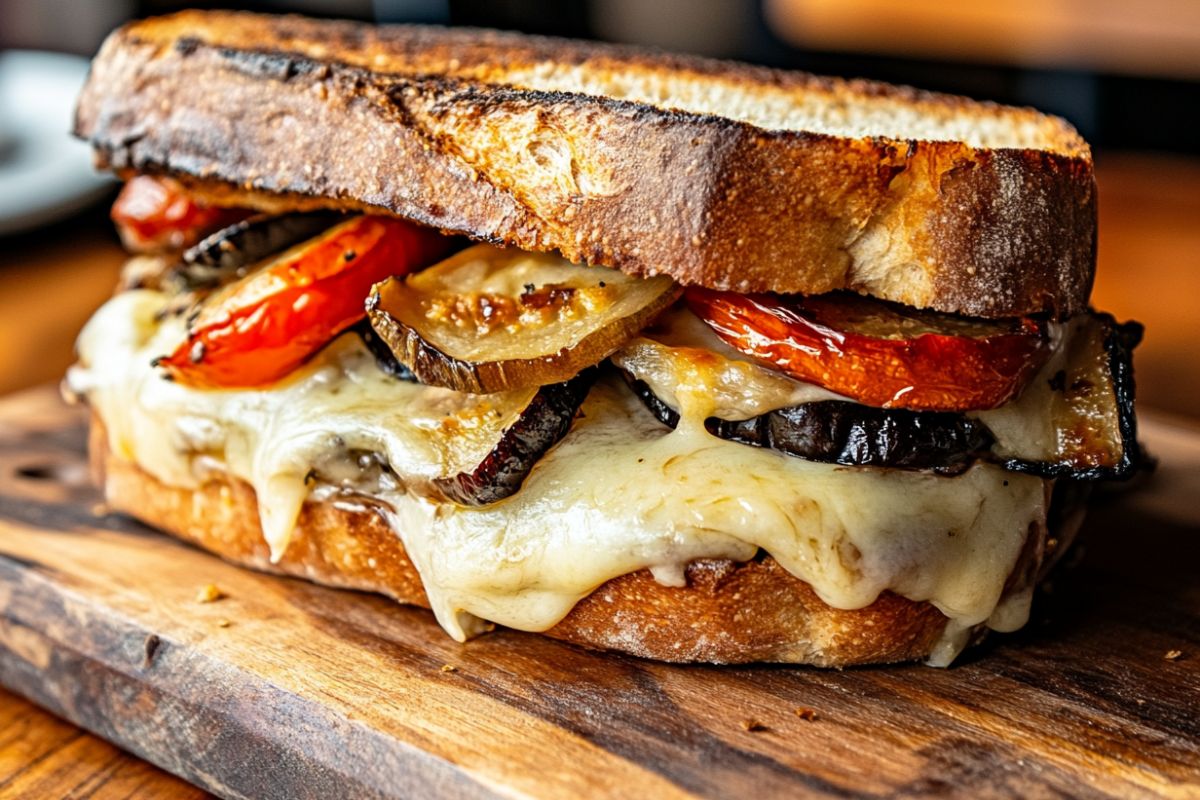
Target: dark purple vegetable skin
838	432
224	256
385	359
540	426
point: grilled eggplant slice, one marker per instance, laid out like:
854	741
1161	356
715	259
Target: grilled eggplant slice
489	320
541	424
227	254
1091	406
840	432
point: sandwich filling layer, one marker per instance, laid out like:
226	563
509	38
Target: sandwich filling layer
619	493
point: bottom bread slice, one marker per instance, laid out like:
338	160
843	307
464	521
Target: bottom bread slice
727	613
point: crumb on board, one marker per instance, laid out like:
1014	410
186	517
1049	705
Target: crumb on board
807	714
223	623
1172	655
753	725
209	593
449	668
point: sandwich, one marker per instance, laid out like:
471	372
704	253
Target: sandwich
687	359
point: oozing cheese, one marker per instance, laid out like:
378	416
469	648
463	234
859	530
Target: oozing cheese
620	493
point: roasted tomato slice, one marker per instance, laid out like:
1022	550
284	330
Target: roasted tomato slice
877	353
258	329
155	214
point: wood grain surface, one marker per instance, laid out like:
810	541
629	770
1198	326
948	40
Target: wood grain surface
282	688
43	757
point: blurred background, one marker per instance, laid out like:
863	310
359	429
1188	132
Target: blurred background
1126	74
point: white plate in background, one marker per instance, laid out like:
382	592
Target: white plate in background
45	173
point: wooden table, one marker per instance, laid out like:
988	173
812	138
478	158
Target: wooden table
42	756
1150	270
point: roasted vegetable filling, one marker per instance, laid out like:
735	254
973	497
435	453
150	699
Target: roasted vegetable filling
836	378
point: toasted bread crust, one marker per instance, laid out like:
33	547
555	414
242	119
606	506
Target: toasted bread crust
728	613
450	128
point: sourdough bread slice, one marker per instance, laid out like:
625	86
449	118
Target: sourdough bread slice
727	613
719	174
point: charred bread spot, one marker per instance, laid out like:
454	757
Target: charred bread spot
276	65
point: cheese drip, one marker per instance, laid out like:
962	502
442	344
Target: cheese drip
620	493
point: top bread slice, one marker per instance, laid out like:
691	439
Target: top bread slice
718	174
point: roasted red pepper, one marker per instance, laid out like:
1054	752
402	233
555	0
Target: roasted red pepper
260	328
155	214
880	354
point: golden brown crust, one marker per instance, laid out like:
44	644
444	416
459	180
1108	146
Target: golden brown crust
728	612
279	112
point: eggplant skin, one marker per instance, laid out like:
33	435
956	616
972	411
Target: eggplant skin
385	359
223	256
838	432
542	423
1119	343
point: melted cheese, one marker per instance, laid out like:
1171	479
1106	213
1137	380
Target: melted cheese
620	493
1025	427
682	356
682	353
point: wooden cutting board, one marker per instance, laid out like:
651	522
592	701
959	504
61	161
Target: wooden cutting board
291	690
